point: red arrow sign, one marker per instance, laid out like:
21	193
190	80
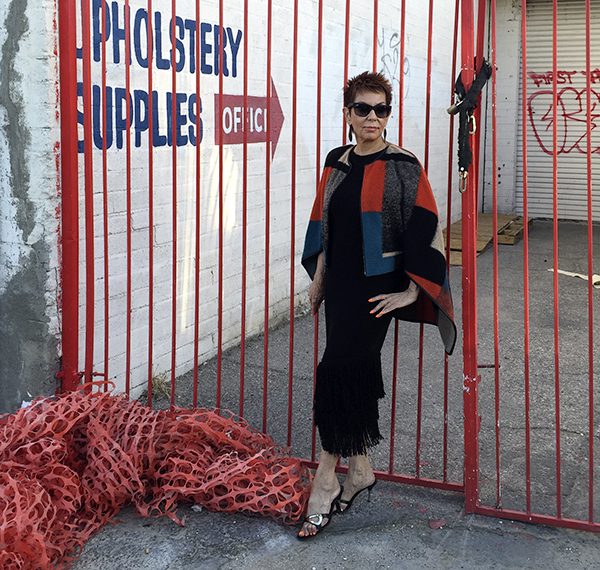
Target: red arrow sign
229	124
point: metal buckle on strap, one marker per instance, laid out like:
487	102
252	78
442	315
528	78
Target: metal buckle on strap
473	124
318	519
462	180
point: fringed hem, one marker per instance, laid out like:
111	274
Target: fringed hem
346	404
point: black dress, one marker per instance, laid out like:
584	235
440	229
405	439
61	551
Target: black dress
349	379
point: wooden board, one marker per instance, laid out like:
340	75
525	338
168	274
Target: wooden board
513	232
510	231
455	257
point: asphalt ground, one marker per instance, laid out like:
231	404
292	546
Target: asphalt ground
399	527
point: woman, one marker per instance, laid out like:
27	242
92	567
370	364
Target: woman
374	251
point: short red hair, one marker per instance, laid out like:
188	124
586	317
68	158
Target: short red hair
367	81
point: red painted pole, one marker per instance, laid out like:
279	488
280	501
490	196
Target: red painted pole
69	195
401	63
428	85
88	169
419	406
395	358
293	221
105	203
267	218
375	25
525	257
426	166
244	215
590	261
174	209
198	227
128	191
317	177
469	289
555	248
496	271
220	255
394	398
346	59
448	223
481	20
150	35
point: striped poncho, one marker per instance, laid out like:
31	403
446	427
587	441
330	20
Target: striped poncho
400	230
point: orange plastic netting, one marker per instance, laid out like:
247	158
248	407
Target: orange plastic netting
68	464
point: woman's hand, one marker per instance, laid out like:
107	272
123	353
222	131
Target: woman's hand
316	293
391	301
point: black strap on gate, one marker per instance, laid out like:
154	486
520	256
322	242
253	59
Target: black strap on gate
466	102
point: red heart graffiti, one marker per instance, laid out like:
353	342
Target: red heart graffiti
571	119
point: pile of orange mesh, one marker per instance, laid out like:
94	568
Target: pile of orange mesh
68	464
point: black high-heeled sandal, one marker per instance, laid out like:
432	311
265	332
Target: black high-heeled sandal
349	502
317	519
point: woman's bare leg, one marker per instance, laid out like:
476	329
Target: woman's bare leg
325	488
360	475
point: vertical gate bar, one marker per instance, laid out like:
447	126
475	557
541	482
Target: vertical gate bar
394	397
174	196
469	290
496	268
128	193
267	216
221	186
150	43
448	224
105	199
426	166
375	25
317	178
346	59
481	20
481	13
428	85
88	168
590	260
293	222
525	258
395	358
555	248
400	133
69	194
401	87
244	214
198	204
419	406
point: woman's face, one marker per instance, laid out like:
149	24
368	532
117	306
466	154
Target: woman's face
370	128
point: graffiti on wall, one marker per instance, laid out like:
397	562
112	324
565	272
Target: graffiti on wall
571	111
389	58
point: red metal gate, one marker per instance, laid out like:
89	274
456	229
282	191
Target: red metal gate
87	209
559	460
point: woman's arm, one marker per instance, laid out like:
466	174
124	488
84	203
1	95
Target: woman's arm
391	301
316	291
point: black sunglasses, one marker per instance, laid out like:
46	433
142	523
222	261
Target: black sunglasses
363	109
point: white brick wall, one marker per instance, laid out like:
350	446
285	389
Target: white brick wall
331	133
